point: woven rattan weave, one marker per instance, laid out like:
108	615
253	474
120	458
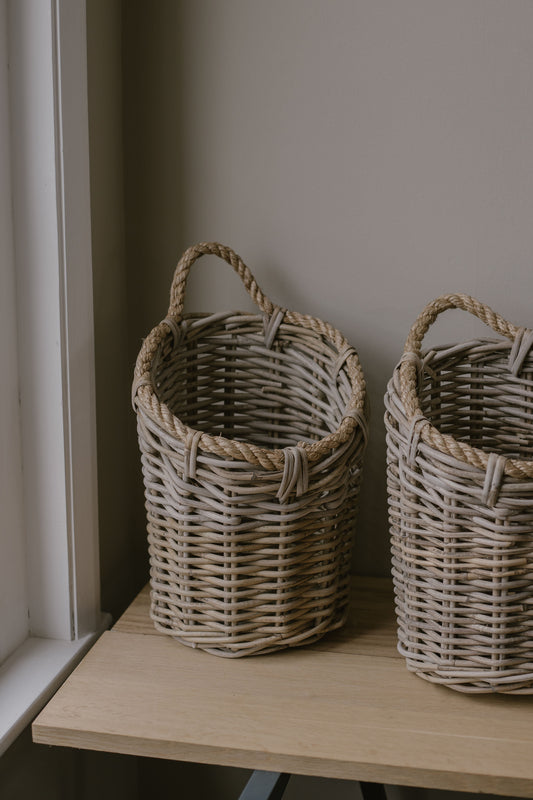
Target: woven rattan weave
460	481
251	429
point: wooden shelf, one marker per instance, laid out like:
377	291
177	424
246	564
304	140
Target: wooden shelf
345	707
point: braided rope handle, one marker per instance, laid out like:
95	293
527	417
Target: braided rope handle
177	290
413	344
408	378
143	393
463	302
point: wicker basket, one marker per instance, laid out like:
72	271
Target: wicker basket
251	429
460	481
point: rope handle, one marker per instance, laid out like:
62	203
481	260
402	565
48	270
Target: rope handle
409	370
460	301
177	290
413	345
144	395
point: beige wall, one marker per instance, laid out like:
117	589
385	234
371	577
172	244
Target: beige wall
363	156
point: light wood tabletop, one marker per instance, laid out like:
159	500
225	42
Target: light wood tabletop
345	707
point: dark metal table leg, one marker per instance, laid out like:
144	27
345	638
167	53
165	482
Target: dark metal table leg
372	791
265	786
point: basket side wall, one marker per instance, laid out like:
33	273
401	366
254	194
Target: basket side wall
462	571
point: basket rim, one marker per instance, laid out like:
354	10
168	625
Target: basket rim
405	381
355	415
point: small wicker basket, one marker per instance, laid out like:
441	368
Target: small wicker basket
460	482
251	429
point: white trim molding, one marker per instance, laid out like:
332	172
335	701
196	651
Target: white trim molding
49	121
31	676
52	253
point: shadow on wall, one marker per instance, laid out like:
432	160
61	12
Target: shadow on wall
123	561
155	193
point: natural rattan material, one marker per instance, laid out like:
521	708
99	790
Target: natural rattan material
460	481
252	429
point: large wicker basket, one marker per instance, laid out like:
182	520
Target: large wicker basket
460	481
252	429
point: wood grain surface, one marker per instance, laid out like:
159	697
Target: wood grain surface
345	707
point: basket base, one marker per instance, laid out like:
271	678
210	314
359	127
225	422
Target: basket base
216	645
514	685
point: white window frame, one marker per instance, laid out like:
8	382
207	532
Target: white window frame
48	118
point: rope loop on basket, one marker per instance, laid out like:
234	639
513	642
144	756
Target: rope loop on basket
136	385
410	357
271	458
271	323
408	382
189	455
493	479
177	331
347	351
295	473
361	420
412	361
177	290
519	351
417	424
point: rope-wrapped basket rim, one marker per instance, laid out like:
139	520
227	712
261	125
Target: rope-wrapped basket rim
411	362
144	395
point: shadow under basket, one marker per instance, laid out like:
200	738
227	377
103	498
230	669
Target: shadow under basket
460	484
251	429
